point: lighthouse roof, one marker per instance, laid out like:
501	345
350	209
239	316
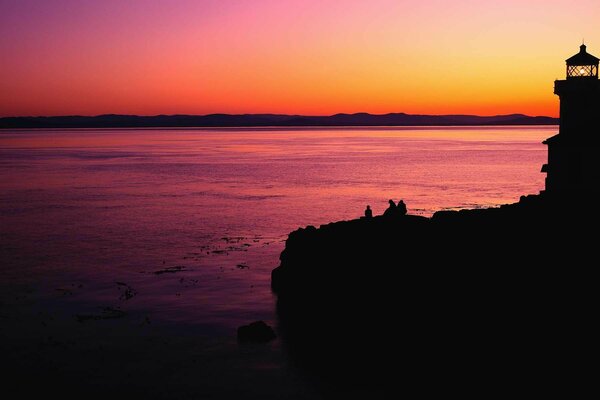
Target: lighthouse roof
582	58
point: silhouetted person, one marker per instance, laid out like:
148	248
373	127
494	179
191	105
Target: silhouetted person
368	212
391	210
401	208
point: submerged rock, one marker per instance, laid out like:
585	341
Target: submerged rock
107	313
256	332
170	270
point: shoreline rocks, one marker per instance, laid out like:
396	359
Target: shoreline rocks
256	332
464	293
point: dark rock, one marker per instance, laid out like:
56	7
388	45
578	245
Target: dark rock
170	270
127	291
256	332
107	313
471	293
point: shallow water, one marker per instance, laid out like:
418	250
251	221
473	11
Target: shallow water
193	221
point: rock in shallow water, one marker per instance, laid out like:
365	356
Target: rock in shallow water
256	332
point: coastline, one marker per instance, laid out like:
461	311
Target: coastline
270	120
461	298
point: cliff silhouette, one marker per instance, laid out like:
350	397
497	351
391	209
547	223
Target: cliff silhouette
258	120
487	298
497	301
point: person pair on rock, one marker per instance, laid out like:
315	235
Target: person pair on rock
392	211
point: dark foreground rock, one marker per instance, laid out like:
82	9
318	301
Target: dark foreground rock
256	332
498	299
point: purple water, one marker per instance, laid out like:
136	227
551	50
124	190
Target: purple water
193	221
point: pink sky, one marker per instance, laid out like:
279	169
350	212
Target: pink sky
297	56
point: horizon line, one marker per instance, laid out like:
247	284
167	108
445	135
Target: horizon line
275	114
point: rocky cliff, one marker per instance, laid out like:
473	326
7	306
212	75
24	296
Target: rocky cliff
491	297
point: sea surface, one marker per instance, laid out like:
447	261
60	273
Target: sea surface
185	225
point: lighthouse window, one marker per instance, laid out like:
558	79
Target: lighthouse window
582	70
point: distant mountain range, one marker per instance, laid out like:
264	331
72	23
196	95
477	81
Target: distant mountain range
257	120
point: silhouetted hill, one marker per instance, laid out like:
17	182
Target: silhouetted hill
257	120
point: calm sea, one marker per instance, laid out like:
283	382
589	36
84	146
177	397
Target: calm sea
186	225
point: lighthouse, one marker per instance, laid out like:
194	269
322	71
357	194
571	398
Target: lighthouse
572	153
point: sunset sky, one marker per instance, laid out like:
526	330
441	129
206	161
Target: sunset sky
316	57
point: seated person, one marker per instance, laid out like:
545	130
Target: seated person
391	210
401	208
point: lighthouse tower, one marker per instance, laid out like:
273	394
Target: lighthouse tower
573	153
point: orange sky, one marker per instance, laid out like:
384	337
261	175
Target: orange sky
299	56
